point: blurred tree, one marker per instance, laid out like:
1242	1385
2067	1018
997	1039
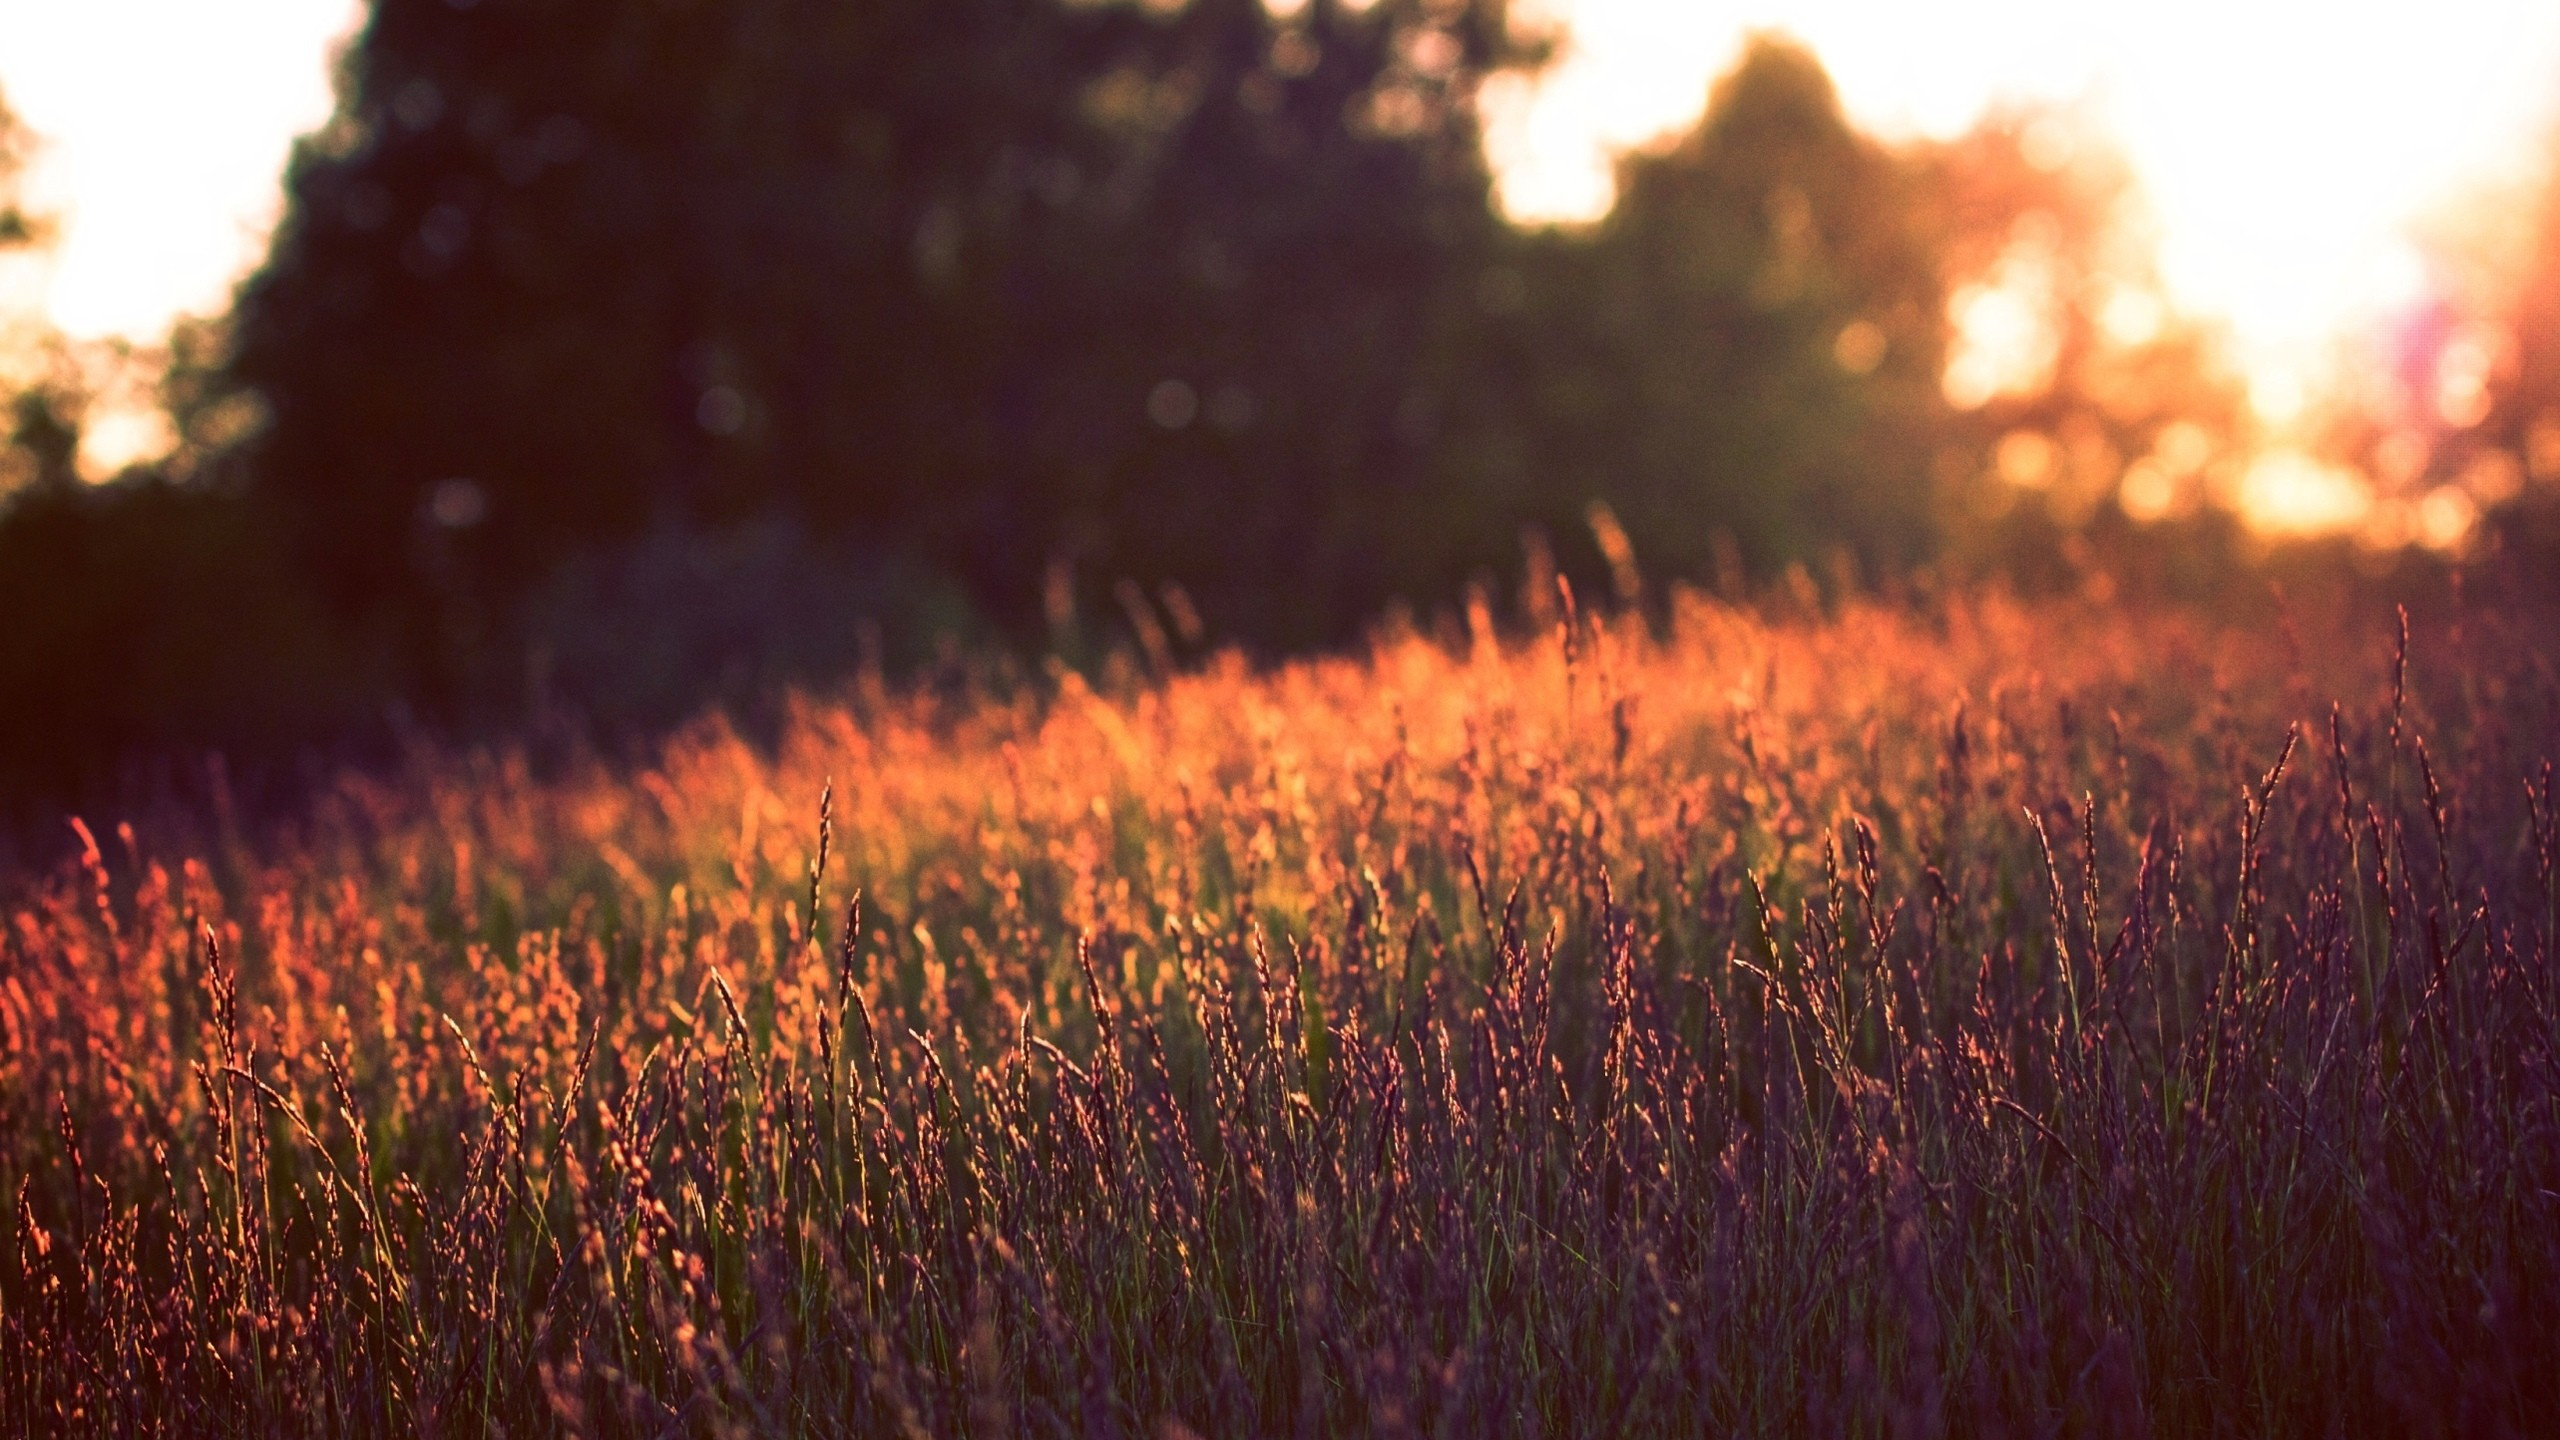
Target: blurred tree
143	615
40	430
43	441
1789	339
561	267
154	619
1743	356
994	282
18	229
2522	413
2083	405
18	226
1785	304
1243	378
2478	380
2450	408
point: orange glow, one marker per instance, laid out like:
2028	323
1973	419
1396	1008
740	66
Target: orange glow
2284	150
2287	492
2285	147
2006	342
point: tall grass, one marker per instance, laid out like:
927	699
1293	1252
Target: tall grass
1929	1019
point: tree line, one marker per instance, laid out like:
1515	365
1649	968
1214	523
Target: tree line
614	353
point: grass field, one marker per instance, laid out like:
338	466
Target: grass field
1930	1018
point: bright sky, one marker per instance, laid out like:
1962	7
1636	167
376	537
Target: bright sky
165	125
2284	144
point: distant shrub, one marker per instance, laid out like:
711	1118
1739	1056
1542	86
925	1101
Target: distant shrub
145	615
645	634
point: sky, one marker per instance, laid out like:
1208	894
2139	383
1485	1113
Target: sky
165	126
2284	146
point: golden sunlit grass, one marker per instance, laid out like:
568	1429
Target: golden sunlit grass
1935	1019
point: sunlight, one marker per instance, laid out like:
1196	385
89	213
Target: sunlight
165	125
2285	147
2285	154
2166	483
123	435
2286	492
2006	341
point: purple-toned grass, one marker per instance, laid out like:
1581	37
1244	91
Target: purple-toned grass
1942	1019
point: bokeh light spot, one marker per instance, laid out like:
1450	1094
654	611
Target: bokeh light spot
1173	405
2148	492
1860	347
2446	517
2287	492
721	411
458	503
2027	459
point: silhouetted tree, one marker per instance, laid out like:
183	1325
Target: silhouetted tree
559	267
1237	381
1747	346
1749	354
912	268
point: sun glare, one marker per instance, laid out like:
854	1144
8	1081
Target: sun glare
164	126
2287	492
2006	342
2285	148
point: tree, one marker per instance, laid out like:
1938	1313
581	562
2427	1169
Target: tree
1745	351
144	614
41	439
911	269
2524	410
2468	417
19	227
2475	373
1246	397
1757	354
558	268
2085	408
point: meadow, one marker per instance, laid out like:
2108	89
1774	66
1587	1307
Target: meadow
1943	1016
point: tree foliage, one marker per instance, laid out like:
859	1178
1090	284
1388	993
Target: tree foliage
955	277
589	322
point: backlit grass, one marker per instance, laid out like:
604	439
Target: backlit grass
1926	1019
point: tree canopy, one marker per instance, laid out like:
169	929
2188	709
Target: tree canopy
782	330
1012	282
